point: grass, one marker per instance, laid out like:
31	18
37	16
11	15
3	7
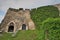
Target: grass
24	35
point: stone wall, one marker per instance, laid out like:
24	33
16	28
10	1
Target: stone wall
58	6
18	17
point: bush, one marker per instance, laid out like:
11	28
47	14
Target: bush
42	13
51	27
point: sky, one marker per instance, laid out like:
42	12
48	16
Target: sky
5	4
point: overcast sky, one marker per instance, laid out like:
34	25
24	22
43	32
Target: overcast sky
5	4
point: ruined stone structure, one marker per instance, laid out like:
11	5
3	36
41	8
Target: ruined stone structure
58	6
17	19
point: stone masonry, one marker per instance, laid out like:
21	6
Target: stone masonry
17	19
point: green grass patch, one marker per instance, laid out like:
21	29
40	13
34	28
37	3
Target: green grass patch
24	35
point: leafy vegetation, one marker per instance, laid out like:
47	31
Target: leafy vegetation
42	13
51	28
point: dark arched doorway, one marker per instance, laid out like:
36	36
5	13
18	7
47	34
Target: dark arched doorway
11	27
23	27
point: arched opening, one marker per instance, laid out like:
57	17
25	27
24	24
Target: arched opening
11	27
23	27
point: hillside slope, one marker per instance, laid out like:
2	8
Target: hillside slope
38	15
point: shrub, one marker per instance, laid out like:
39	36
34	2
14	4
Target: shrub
51	28
42	13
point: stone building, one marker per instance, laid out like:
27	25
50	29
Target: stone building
17	19
58	6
